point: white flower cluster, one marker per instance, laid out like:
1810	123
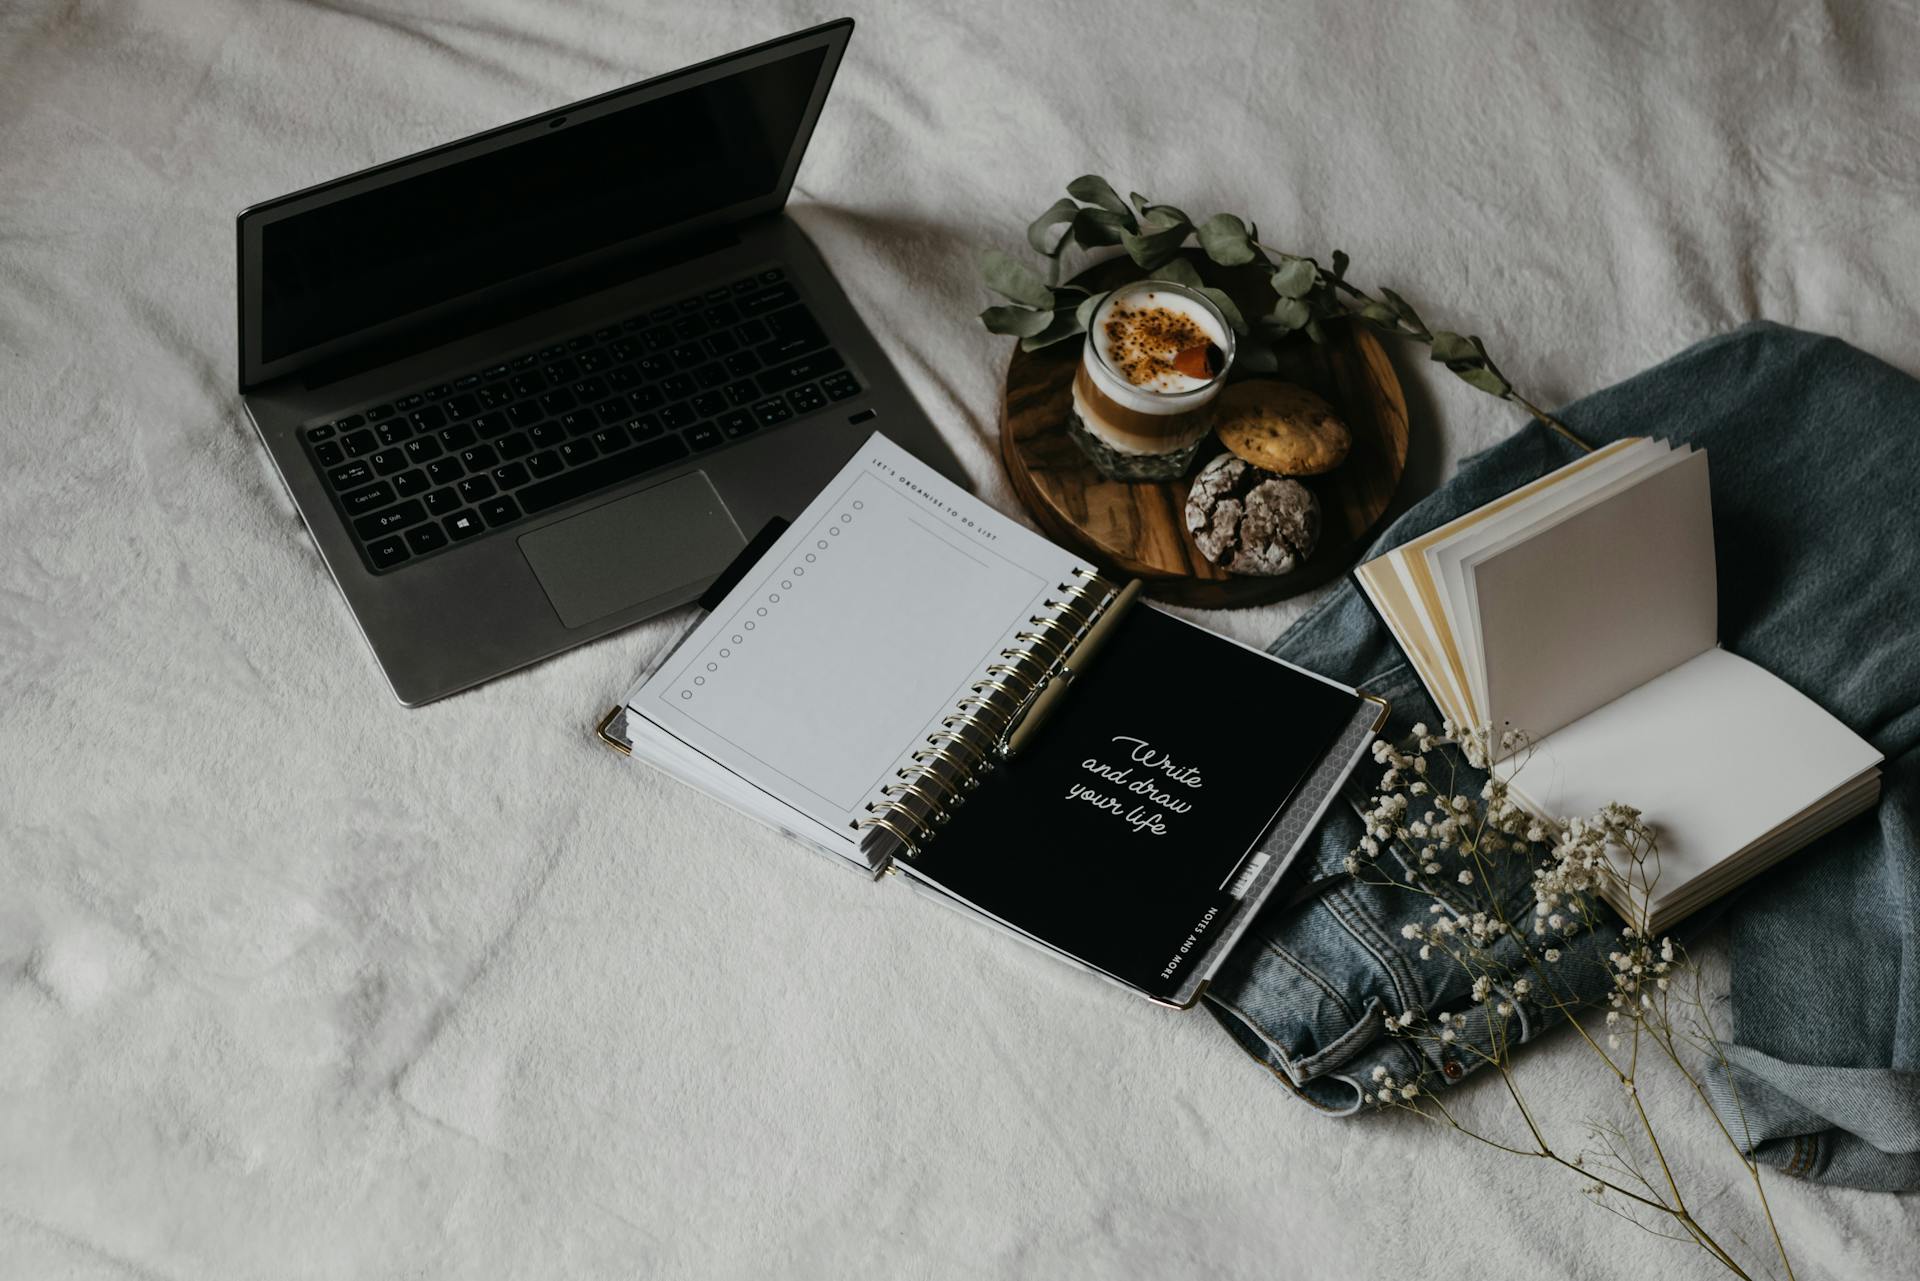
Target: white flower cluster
1581	862
1387	1088
1640	974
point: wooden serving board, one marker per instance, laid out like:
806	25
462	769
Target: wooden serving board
1138	528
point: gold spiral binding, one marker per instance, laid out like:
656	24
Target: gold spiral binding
968	743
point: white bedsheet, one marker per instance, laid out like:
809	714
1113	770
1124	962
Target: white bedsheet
296	984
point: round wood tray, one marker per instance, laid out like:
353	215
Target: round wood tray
1138	528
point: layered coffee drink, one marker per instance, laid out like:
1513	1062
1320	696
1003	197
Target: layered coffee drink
1156	355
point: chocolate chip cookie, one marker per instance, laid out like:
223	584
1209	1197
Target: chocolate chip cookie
1248	521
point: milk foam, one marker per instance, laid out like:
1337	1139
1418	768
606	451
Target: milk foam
1165	392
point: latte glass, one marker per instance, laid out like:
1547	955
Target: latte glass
1134	414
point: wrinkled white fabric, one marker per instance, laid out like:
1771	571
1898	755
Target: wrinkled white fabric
297	984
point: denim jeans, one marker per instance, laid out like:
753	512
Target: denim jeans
1815	460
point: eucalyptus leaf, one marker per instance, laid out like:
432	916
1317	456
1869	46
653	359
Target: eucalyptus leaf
1095	190
1095	227
1340	261
1017	321
1288	314
1180	272
1485	379
1294	277
1064	325
1226	240
1014	280
1151	249
1157	217
1380	314
1449	347
1404	310
1226	305
1061	210
1315	331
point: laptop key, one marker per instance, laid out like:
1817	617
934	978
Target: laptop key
525	414
359	502
742	363
654	368
408	403
390	520
429	418
510	475
466	382
722	316
591	389
494	395
678	416
708	404
840	386
527	361
548	434
514	446
687	355
766	300
806	398
720	344
646	398
717	295
348	475
581	343
378	412
462	407
772	411
711	374
576	452
678	387
686	305
322	432
531	383
689	327
794	372
329	454
743	392
439	392
350	422
579	422
611	438
705	436
772	274
737	423
458	436
562	372
753	332
475	488
592	362
577	482
411	484
492	372
393	431
613	411
387	461
658	338
444	471
558	402
421	449
645	427
500	511
387	552
442	502
479	458
463	525
426	538
358	443
544	463
606	334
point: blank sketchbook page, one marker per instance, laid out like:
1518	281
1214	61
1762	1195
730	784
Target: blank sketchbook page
1583	611
854	635
1716	753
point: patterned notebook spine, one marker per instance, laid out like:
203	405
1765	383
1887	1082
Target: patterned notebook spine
971	741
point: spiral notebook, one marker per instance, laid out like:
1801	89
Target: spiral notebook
863	677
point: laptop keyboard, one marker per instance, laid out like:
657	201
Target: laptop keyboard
480	452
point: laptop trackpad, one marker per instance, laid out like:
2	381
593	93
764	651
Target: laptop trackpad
634	549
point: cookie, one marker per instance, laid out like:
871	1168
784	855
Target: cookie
1281	428
1248	521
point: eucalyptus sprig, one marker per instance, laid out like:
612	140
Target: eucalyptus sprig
1042	311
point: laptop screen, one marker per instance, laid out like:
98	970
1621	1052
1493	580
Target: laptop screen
504	213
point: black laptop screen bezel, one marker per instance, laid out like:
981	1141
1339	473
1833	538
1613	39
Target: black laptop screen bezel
254	372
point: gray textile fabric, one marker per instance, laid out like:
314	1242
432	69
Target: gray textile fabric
1814	450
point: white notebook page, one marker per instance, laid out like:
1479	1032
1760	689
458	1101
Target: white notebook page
854	636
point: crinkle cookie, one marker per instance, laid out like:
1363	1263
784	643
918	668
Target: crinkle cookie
1248	521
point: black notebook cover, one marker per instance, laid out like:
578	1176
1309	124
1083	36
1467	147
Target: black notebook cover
1117	836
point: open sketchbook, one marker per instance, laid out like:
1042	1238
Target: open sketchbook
1582	610
859	683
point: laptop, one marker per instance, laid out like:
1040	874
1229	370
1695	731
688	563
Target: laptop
542	383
